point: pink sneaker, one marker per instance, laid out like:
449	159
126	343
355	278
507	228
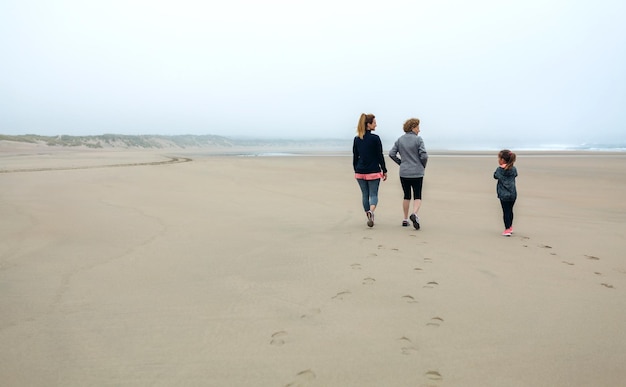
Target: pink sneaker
507	232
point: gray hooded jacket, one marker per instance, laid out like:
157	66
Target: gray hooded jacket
505	188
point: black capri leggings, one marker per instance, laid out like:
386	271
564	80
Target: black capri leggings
507	212
412	183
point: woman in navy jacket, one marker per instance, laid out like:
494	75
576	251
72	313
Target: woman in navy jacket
369	164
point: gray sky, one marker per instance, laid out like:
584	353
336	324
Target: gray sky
501	73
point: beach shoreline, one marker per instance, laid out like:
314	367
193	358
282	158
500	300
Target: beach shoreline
249	271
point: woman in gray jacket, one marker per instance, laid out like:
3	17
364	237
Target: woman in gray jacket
410	154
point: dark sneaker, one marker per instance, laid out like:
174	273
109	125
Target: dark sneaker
405	223
415	220
370	219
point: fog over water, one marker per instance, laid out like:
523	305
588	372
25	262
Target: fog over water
480	74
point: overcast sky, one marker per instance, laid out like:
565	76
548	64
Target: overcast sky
502	73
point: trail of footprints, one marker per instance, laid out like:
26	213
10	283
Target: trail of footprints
569	263
407	345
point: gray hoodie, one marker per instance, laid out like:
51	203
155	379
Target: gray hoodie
413	156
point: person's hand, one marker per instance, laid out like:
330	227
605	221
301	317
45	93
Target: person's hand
384	176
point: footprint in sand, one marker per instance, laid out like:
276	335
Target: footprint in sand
341	295
428	260
356	266
409	298
607	286
302	378
367	238
568	263
431	284
434	375
278	338
407	346
546	247
312	312
597	273
592	257
368	281
380	247
421	242
435	322
418	269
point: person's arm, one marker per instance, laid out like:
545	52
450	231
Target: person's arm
355	155
423	155
381	158
393	153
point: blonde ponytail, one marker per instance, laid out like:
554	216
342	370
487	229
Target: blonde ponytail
362	126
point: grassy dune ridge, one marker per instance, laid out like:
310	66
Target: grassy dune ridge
162	141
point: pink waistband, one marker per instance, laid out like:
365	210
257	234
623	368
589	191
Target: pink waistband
369	176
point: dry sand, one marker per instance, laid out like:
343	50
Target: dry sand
261	271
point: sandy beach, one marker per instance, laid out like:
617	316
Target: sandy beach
162	268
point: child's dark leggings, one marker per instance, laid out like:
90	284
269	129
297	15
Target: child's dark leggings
507	212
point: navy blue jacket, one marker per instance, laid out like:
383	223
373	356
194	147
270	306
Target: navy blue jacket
367	154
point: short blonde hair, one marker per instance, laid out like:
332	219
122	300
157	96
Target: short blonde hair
410	124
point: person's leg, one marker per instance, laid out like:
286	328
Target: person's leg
406	190
373	193
365	194
417	203
507	213
417	194
405	208
371	187
414	185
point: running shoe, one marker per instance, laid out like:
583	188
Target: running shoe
370	219
405	223
415	220
507	232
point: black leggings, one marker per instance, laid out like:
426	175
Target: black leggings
507	212
414	184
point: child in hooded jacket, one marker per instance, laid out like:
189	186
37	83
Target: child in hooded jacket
506	190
